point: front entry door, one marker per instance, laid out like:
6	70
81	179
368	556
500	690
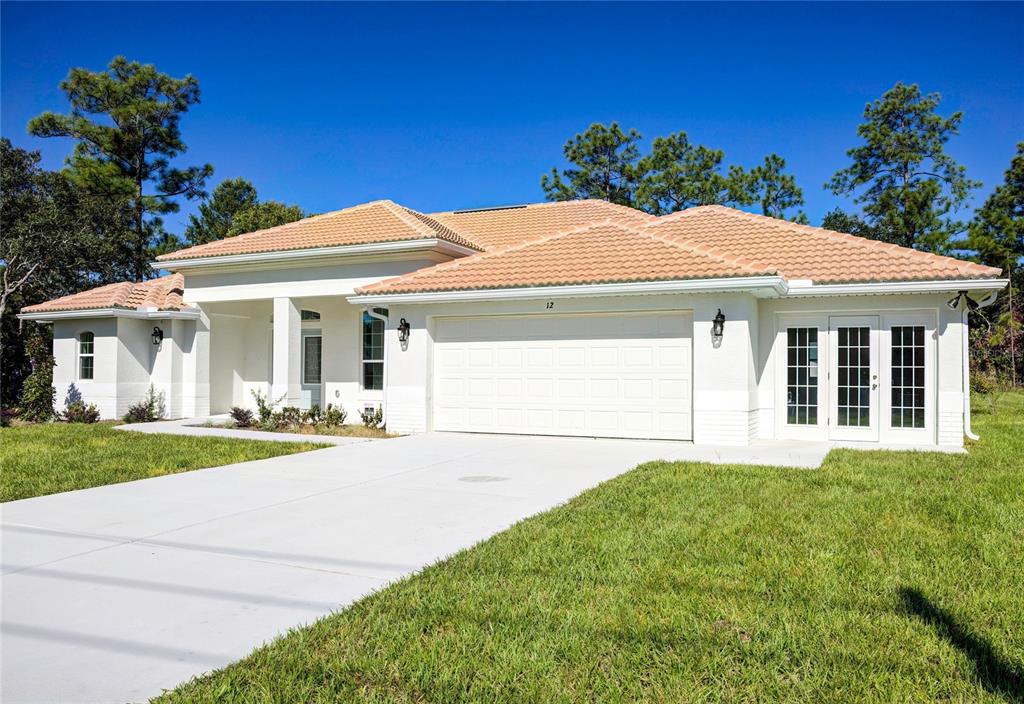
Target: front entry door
853	378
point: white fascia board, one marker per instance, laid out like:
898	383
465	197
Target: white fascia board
763	286
300	255
795	290
50	316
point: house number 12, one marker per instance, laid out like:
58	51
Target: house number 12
550	305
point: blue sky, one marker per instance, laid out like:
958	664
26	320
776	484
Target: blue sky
465	105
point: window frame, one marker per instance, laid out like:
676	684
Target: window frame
90	355
364	361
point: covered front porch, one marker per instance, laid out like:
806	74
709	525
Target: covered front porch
300	352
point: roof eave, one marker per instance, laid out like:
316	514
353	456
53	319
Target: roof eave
761	286
50	316
804	289
292	255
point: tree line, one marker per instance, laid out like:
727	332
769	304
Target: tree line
911	192
99	219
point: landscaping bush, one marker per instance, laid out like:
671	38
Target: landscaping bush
80	412
313	416
333	416
147	410
291	416
242	417
264	407
373	418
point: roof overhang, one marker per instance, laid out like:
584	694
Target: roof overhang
800	289
138	314
760	286
316	254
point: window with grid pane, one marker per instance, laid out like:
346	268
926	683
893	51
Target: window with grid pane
86	345
373	350
802	376
853	407
907	376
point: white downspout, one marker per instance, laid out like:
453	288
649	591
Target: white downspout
384	377
965	381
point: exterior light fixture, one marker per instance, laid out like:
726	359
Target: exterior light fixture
718	326
962	296
158	336
403	330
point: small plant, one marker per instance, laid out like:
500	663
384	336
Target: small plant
291	416
334	416
147	410
313	416
79	412
271	422
264	406
242	417
373	418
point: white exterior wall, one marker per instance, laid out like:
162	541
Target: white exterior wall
125	363
101	390
217	361
724	385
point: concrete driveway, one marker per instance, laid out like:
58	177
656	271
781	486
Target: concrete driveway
114	593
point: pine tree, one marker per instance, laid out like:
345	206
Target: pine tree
907	184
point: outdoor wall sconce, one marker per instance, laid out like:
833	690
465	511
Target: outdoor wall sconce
962	295
403	330
158	336
718	326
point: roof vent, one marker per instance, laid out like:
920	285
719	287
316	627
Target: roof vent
487	210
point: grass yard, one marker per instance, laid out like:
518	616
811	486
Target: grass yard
884	576
52	457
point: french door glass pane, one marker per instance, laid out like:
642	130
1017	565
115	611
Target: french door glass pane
907	376
312	347
854	377
802	376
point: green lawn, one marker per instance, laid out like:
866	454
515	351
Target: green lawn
883	576
52	457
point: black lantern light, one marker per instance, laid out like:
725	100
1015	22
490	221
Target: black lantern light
718	326
403	330
158	336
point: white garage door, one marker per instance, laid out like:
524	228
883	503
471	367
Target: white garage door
623	375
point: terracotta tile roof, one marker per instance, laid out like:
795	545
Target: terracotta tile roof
164	293
805	252
377	221
502	227
605	252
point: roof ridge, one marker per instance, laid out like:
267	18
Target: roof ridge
711	254
418	221
275	228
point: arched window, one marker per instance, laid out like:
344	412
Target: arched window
85	355
308	315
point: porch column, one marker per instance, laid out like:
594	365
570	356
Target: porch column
287	331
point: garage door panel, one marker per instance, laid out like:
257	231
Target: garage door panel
624	375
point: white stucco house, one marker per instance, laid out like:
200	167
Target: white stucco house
710	325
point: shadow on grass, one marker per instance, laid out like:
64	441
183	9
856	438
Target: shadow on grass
995	674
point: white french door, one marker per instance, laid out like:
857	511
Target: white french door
853	378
